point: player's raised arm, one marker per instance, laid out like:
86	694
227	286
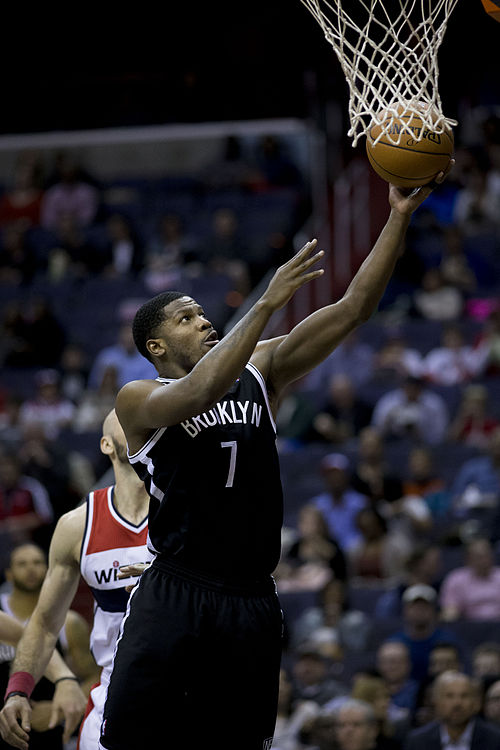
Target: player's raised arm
317	336
206	374
39	637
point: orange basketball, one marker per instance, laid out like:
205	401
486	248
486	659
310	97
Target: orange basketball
411	162
492	7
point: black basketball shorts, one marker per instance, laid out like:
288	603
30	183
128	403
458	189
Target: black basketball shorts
197	665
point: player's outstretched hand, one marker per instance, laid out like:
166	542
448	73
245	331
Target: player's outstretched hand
68	706
292	275
405	200
15	722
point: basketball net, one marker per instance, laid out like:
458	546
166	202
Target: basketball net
388	53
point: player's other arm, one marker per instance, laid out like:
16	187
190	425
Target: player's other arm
145	405
79	655
40	635
284	360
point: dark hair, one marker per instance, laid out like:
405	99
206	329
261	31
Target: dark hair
148	317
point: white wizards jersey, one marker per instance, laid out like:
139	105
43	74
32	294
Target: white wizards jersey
108	543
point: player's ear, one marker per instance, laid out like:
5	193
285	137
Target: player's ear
106	445
156	347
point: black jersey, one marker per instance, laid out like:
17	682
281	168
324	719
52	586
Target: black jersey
216	501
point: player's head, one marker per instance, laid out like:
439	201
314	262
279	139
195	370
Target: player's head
27	568
172	329
113	441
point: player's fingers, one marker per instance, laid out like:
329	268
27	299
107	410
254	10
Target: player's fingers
306	277
304	251
70	723
308	262
55	716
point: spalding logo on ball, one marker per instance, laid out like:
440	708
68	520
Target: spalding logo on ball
407	154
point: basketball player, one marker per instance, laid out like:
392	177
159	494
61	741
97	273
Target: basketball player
197	662
68	701
25	574
94	540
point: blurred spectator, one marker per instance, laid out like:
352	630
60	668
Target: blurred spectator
356	728
353	358
231	169
49	461
487	343
339	503
21	201
456	267
18	259
437	299
71	193
476	208
380	553
224	250
423	481
170	250
49	408
331	627
372	475
485	660
96	403
491	708
291	716
314	557
420	628
396	359
477	483
423	566
124	357
26	513
373	690
74	371
413	411
275	166
35	337
443	657
472	592
454	361
394	665
473	422
10	429
123	249
457	722
72	254
343	413
312	679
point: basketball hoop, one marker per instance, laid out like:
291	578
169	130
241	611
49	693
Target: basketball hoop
388	54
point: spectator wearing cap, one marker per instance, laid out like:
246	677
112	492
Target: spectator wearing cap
421	629
412	410
339	503
312	679
49	409
472	592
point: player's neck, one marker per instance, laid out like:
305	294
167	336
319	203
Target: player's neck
130	497
22	603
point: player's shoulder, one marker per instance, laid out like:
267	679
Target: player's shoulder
69	529
263	354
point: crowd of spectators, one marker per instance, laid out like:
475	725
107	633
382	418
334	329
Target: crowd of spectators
396	540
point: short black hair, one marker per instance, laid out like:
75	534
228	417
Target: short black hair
148	317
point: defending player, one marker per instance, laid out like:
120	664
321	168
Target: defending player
197	663
95	540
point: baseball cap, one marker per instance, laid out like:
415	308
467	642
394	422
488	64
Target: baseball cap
335	461
420	591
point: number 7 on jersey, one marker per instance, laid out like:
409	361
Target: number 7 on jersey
232	461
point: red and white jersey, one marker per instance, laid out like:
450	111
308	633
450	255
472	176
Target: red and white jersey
109	541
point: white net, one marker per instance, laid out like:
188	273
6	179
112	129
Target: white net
388	53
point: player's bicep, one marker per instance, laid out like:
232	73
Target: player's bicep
146	405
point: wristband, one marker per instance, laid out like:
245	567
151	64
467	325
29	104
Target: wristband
20	682
66	678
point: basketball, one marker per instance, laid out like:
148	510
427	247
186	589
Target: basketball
411	162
